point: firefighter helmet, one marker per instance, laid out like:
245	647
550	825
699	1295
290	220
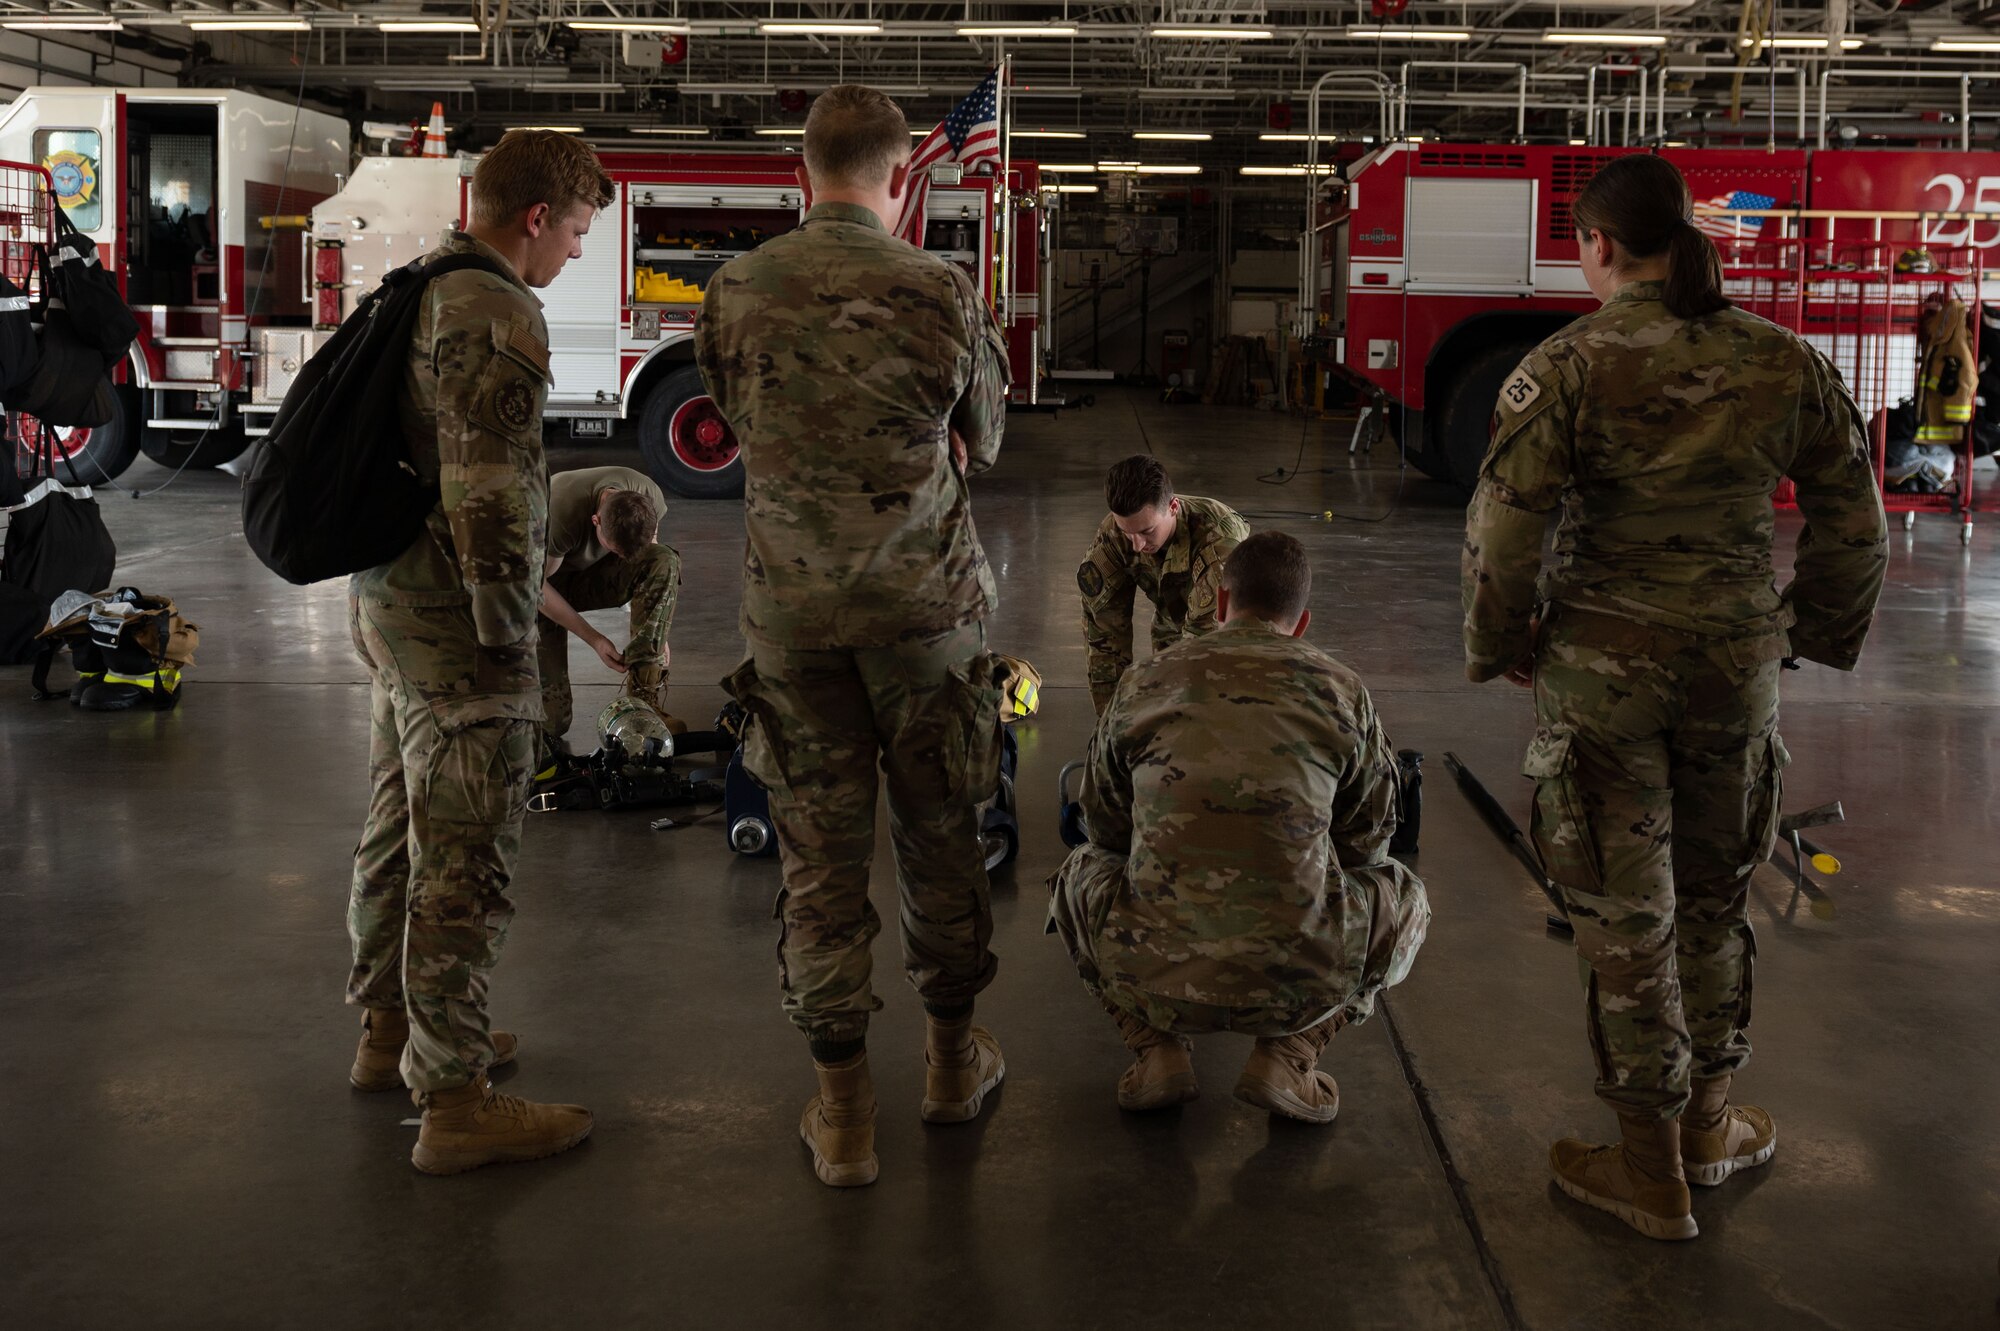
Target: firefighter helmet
631	726
1915	261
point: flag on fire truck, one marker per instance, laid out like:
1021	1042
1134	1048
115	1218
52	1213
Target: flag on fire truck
969	135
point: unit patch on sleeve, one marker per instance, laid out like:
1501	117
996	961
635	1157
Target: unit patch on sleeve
1520	391
514	404
1089	578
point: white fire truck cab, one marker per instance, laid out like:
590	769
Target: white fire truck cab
621	317
184	191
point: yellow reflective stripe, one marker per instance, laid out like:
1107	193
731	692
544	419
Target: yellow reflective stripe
170	678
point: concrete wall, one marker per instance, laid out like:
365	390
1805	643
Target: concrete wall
77	59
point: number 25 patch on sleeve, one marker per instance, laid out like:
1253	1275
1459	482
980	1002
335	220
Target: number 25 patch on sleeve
1519	392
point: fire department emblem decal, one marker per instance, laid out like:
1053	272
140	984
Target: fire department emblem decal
73	175
1377	237
514	404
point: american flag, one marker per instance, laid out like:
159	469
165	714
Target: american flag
969	135
1726	228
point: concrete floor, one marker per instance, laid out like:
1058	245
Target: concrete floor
182	1148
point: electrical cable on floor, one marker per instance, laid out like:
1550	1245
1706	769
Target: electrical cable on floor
1282	477
263	276
1489	1262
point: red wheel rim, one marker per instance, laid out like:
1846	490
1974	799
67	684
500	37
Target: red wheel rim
69	440
700	438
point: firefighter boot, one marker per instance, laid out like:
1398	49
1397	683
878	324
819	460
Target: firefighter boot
839	1124
961	1064
378	1061
1639	1179
467	1126
1161	1075
1718	1138
1283	1076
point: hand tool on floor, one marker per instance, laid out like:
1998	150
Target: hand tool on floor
1506	829
1804	852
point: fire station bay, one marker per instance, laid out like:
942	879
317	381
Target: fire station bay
1251	663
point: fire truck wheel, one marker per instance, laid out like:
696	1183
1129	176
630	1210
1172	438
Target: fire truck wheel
96	455
1467	415
688	447
210	448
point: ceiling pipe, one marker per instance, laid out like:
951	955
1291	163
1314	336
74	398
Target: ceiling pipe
1963	76
1403	88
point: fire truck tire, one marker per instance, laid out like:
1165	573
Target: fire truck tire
210	448
688	447
97	455
1465	421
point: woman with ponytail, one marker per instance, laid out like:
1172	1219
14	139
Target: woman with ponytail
1660	425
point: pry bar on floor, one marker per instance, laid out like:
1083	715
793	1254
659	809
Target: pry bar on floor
1505	828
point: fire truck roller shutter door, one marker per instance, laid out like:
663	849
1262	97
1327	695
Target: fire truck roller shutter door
1464	409
689	449
97	454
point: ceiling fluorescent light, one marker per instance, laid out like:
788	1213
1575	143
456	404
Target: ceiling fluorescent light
1403	32
1323	169
1150	170
1603	37
1071	189
686	131
1297	138
1050	134
64	25
816	28
550	129
1130	167
1069	167
1222	32
625	25
1965	44
1801	43
249	24
780	132
1174	135
427	25
1017	30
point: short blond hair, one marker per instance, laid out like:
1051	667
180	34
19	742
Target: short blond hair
854	137
531	166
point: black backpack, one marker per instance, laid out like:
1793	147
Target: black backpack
332	489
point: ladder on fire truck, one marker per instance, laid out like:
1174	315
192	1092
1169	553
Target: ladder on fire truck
1857	301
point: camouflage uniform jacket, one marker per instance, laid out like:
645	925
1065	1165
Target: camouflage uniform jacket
573	500
474	387
840	355
1180	580
1662	440
1241	773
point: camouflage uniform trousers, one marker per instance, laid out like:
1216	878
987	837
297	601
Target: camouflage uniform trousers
1658	779
927	711
650	583
1385	915
429	908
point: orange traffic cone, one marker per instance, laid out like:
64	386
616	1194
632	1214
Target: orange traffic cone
434	134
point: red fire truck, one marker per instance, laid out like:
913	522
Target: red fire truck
1434	267
621	318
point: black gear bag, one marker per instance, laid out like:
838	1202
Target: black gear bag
332	489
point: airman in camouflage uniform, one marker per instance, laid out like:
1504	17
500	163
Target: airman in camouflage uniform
1240	798
588	575
447	632
854	369
1178	569
1655	642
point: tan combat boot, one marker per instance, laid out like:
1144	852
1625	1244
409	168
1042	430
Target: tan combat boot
1162	1074
473	1125
961	1064
1639	1179
378	1061
839	1124
1718	1138
1283	1076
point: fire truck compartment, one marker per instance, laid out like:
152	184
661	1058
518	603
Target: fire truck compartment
682	234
